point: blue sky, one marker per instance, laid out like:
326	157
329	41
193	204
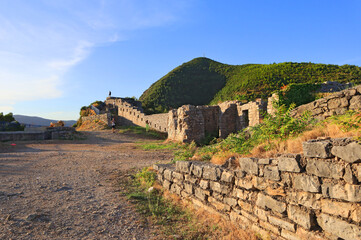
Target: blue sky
59	55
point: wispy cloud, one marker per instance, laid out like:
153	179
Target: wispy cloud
42	40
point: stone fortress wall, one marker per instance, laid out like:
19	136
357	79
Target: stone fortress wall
194	123
316	195
130	112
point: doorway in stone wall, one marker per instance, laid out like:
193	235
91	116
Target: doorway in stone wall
245	118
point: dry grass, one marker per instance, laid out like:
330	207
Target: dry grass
221	157
210	225
294	145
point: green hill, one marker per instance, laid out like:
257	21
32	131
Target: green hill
204	81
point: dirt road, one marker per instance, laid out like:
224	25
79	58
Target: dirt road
63	189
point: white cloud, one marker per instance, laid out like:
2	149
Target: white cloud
40	41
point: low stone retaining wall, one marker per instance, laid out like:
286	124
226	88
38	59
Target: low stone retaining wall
47	134
316	195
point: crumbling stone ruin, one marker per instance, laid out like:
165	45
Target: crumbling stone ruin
193	123
316	195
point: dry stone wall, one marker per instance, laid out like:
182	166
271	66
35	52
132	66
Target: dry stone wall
334	104
131	113
192	123
316	195
105	117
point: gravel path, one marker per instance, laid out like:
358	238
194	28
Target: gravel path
65	189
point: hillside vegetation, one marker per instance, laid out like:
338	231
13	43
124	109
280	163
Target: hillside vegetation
203	81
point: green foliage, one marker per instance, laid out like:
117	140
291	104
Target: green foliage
141	131
186	153
279	126
298	93
146	177
204	81
349	121
8	123
160	146
6	118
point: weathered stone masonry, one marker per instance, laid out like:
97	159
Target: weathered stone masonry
131	113
316	195
193	123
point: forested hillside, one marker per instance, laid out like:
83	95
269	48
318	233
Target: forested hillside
204	81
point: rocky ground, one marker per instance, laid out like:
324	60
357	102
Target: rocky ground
65	189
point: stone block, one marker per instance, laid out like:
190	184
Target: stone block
204	184
183	166
178	176
349	176
188	188
245	206
339	227
175	188
324	169
289	164
271	173
200	194
337	103
227	176
248	165
217	196
307	183
166	184
264	161
259	183
265	201
309	200
290	235
261	214
239	220
332	207
197	169
317	149
190	179
283	223
240	193
302	217
350	153
311	235
245	182
168	174
211	172
356	214
160	177
230	201
220	188
219	205
347	192
249	216
270	227
355	102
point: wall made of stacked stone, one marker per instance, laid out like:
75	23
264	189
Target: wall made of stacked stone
316	195
334	104
105	117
